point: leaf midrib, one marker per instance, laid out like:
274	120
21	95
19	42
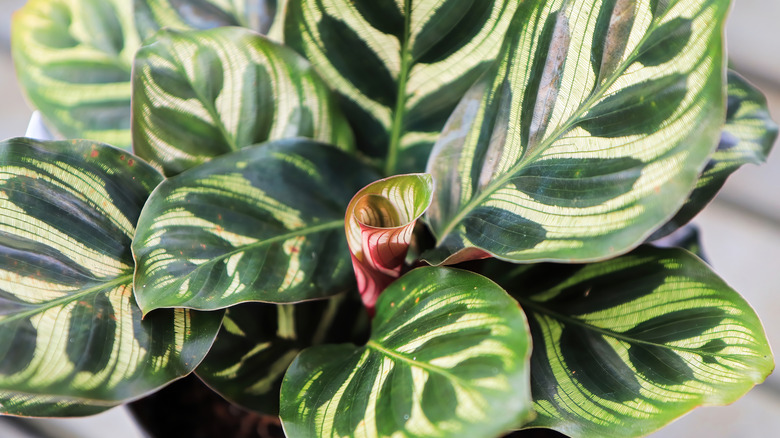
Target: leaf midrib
371	344
327	226
537	149
570	320
207	104
124	279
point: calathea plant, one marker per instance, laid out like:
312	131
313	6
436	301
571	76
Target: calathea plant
258	186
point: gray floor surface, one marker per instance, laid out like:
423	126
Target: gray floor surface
741	235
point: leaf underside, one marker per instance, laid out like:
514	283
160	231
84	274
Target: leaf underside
72	341
588	134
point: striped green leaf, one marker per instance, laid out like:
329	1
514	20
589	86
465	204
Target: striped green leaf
623	347
153	15
399	67
379	223
588	134
261	224
72	341
73	59
747	137
447	357
258	342
198	95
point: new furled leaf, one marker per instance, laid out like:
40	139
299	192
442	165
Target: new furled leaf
448	350
73	59
379	223
261	224
624	347
589	133
198	95
72	341
399	67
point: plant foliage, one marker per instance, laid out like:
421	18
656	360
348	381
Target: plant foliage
262	199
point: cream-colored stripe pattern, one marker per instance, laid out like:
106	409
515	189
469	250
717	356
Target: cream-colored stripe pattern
573	116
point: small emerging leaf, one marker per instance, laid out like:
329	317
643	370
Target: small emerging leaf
261	224
198	95
72	341
625	346
379	224
73	59
447	357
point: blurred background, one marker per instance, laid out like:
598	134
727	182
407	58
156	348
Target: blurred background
740	232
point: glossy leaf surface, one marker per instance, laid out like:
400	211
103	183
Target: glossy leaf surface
72	341
588	134
258	342
152	15
261	224
747	138
625	346
399	67
198	95
73	59
448	351
379	223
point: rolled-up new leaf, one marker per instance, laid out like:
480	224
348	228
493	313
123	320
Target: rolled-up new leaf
379	224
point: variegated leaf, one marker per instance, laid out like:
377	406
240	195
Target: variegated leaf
748	137
198	95
72	341
73	59
447	357
258	342
261	224
379	224
153	15
399	67
588	134
625	346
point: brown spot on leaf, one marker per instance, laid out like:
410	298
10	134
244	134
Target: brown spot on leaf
94	153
